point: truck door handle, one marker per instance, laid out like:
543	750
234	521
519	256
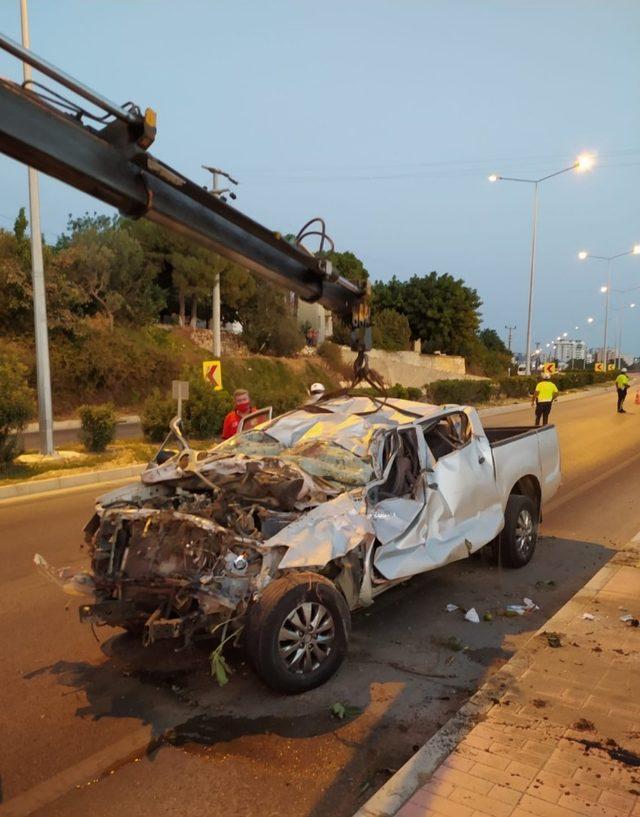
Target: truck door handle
481	460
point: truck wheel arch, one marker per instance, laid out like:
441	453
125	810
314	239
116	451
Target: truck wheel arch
529	486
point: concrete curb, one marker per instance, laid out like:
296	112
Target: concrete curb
71	481
390	798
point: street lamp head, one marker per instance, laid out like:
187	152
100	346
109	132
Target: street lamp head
603	289
584	162
494	177
636	249
564	334
583	254
590	320
632	306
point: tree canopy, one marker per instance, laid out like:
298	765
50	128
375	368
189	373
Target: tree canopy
443	313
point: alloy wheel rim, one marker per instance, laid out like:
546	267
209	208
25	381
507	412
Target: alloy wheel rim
525	530
306	638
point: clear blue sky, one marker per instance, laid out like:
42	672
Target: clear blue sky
386	117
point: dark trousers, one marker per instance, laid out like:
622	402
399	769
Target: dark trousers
622	393
542	412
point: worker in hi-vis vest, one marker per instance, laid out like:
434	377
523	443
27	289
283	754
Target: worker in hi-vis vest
622	384
543	396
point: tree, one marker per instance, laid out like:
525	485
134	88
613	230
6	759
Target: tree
492	340
348	266
64	300
442	311
269	326
108	265
390	330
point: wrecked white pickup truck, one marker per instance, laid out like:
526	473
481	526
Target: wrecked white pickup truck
285	529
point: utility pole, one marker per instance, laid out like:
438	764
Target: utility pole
43	370
215	296
510	331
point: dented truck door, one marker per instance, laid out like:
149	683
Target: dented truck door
461	509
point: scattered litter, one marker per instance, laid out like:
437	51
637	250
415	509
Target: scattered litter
539	703
553	639
451	608
589	616
583	725
488	616
344	711
471	615
542	584
626	618
528	606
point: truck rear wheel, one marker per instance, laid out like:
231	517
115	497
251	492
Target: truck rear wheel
516	543
297	632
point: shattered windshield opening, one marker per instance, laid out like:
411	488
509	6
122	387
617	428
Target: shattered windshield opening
319	458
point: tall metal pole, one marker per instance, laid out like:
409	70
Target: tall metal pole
43	371
532	274
605	351
215	303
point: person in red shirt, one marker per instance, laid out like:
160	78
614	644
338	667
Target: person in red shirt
242	407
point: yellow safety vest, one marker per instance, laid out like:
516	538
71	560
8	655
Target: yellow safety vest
545	391
622	380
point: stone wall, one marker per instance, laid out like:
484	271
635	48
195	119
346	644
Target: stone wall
411	368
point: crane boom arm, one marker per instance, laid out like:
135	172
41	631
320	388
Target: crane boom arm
112	163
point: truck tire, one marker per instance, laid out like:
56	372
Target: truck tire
297	632
517	541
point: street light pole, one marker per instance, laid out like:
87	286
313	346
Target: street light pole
43	370
532	273
583	255
605	350
583	162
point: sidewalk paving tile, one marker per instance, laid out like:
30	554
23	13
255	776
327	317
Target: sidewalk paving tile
559	753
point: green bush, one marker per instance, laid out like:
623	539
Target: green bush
157	413
390	331
414	393
459	391
98	426
205	410
517	386
17	405
399	391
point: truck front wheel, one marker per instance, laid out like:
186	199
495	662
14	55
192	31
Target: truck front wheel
517	541
297	632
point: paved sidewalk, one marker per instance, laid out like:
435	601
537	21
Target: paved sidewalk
559	734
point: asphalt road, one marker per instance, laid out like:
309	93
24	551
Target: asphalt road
243	751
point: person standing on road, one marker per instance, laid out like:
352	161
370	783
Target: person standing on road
622	385
241	407
543	396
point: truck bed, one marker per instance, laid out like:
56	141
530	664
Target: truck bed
500	435
522	450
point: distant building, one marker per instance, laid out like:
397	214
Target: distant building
568	350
